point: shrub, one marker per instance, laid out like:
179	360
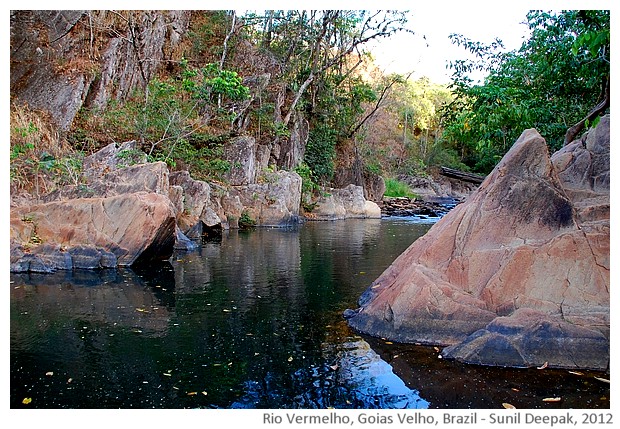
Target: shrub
396	188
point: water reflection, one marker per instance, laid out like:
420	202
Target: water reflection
252	320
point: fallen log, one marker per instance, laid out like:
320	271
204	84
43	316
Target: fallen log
462	175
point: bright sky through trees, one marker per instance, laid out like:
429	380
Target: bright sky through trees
429	51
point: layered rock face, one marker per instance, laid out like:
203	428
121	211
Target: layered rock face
48	54
517	275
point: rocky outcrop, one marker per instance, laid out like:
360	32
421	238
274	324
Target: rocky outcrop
123	230
274	201
240	152
518	272
344	203
56	67
194	208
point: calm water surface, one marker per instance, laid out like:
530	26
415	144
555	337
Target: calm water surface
251	320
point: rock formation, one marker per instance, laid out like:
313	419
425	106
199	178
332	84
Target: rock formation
86	226
92	232
344	203
518	274
48	55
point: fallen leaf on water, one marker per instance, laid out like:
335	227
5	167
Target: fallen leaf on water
552	399
576	372
26	401
507	405
604	380
544	365
49	373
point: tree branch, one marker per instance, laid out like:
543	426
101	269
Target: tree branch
573	131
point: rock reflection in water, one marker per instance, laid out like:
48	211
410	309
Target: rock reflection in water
252	320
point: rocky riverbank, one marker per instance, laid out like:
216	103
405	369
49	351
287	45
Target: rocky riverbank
415	207
126	211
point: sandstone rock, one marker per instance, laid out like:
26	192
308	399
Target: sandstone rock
116	170
273	202
344	203
42	37
240	152
196	204
525	240
529	338
93	232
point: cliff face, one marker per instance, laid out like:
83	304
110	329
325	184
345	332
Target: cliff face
517	275
64	60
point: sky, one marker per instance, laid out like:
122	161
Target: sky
429	50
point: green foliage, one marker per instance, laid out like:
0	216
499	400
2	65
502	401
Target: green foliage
308	184
321	152
550	83
213	85
246	221
396	188
172	117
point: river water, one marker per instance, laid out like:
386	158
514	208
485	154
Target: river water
253	319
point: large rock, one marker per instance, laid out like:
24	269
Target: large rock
115	170
92	232
344	203
240	152
194	207
521	265
274	201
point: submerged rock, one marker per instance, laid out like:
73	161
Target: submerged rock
533	239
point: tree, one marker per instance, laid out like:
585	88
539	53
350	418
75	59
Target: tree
553	81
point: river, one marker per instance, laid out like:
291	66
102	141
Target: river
253	319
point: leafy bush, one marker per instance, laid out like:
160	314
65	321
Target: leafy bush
396	188
246	221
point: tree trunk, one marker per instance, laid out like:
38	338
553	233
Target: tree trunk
574	131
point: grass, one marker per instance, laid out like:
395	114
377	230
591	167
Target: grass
396	188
